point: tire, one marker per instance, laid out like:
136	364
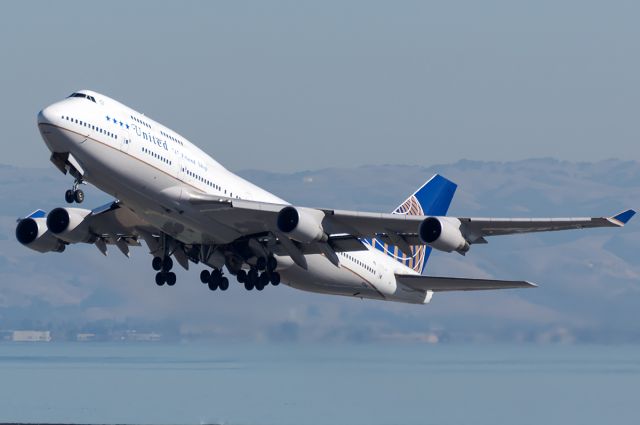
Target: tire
167	264
78	196
213	285
224	284
275	278
264	279
204	276
252	276
160	279
248	285
156	263
259	286
272	264
69	197
261	263
216	274
171	278
241	276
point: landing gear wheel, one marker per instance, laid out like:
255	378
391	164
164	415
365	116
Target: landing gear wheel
205	275
252	277
78	196
241	276
160	279
216	274
214	279
167	264
156	263
275	278
213	284
69	196
264	279
248	285
259	286
272	263
261	263
224	284
171	278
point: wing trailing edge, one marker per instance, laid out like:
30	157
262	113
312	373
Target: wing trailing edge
441	284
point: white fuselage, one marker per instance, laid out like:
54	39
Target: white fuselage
149	168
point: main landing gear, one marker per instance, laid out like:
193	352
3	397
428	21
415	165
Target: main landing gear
254	279
214	279
74	194
163	266
257	277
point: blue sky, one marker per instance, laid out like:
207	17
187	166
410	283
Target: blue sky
305	85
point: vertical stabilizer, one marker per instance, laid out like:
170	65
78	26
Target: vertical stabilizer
432	199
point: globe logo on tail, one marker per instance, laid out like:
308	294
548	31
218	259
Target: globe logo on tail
416	257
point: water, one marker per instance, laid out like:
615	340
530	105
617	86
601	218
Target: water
290	384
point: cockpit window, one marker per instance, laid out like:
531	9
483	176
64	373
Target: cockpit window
91	98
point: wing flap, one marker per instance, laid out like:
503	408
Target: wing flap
441	284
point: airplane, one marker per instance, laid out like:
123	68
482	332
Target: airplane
187	207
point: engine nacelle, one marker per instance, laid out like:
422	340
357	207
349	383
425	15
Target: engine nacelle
69	225
301	224
33	233
443	234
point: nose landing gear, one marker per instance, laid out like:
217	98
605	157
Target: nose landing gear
74	194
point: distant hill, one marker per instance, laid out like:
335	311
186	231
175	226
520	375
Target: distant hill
589	280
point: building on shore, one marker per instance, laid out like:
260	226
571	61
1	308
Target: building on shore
30	336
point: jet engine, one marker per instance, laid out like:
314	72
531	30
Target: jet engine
33	233
301	224
443	234
69	225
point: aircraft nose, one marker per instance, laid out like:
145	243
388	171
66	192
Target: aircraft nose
48	115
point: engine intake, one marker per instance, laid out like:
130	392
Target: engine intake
443	234
32	233
301	224
58	220
69	224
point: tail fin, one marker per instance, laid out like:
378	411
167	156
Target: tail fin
432	199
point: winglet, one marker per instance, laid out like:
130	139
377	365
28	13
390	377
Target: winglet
37	214
624	217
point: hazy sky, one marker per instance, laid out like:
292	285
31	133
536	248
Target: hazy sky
295	85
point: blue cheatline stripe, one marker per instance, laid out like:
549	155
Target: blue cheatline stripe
431	199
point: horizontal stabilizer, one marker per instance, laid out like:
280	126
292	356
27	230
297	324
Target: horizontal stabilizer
440	284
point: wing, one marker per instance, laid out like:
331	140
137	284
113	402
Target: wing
440	284
477	228
111	224
250	217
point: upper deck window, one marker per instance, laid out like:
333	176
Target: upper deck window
91	98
